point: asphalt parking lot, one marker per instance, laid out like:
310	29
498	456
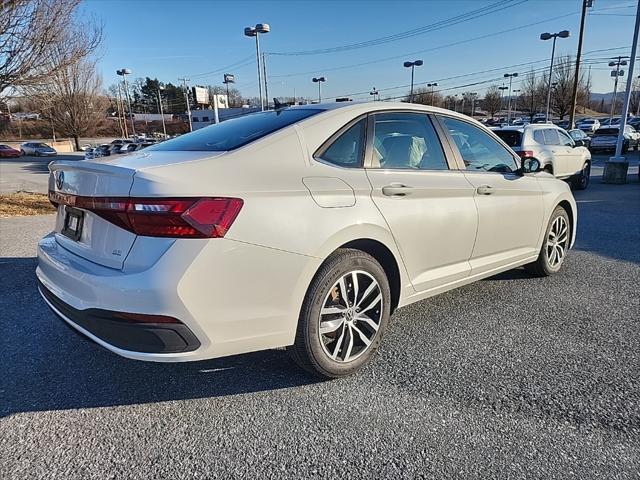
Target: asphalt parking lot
511	377
29	173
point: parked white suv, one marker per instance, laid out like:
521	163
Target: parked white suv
588	125
556	150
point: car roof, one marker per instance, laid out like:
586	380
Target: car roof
513	128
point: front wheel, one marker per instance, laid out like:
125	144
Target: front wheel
555	246
344	314
581	181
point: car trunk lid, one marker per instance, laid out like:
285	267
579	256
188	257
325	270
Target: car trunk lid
82	231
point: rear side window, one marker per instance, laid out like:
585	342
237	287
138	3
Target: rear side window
235	133
348	149
513	138
538	137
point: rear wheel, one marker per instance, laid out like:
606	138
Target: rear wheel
555	246
344	315
581	181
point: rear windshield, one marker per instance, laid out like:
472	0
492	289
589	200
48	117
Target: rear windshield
512	138
607	131
236	132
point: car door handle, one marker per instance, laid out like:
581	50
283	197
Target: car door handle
396	190
485	189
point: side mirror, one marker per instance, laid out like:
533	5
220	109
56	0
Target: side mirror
530	165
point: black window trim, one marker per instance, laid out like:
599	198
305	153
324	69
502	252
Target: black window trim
456	153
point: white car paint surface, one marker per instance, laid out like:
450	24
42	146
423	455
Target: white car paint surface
444	217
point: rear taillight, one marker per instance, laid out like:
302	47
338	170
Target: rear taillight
161	217
525	153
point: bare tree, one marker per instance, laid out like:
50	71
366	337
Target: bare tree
562	89
72	99
532	94
33	33
426	96
492	101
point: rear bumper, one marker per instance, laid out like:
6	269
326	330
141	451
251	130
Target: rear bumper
104	326
231	297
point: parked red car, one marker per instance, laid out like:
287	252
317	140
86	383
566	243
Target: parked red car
7	152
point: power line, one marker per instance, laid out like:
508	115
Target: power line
439	47
474	14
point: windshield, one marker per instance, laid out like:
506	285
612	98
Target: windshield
234	133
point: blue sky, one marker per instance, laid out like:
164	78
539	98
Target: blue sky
170	39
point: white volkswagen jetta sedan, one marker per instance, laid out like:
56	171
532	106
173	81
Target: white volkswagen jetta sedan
303	227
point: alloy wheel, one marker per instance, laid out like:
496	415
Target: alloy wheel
350	316
557	241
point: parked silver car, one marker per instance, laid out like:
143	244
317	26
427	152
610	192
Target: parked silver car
37	149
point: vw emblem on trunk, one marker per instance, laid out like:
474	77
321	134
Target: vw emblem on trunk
59	180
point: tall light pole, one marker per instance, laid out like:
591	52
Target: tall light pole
616	74
123	73
502	89
186	99
375	93
510	77
319	81
255	32
615	170
164	126
549	36
516	103
412	65
473	102
431	85
228	78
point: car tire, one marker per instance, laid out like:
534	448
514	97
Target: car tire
337	336
581	181
557	238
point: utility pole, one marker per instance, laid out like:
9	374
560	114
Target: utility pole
186	99
574	96
502	89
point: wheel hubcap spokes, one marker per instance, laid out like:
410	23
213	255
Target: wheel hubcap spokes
557	241
350	316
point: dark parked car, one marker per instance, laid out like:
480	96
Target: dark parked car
580	138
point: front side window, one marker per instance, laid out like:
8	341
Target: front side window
236	132
478	150
348	149
406	141
551	137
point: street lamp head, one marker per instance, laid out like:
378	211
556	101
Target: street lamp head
408	64
623	62
564	34
514	74
250	32
612	64
418	63
318	79
545	36
262	28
